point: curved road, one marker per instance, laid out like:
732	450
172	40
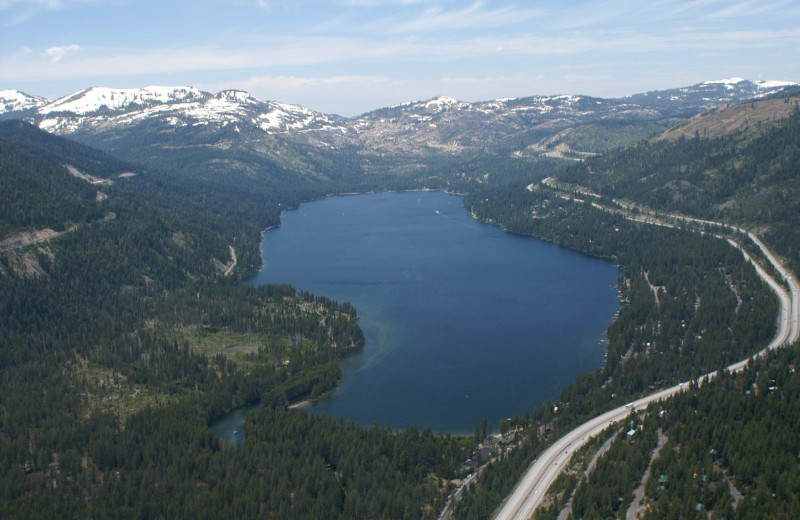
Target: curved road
532	488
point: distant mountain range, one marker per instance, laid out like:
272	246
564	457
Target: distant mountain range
170	120
95	107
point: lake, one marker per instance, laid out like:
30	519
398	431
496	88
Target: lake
462	320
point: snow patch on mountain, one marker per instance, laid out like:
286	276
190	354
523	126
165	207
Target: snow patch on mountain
285	117
60	125
237	96
733	83
98	99
443	102
567	98
16	101
729	83
775	84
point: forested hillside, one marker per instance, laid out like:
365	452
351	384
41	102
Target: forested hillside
675	279
38	194
748	177
114	357
732	448
727	449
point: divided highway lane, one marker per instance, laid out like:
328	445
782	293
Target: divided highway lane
531	490
791	280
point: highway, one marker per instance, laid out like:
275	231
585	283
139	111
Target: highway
791	281
531	490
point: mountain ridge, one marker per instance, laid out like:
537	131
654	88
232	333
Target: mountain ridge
119	99
232	132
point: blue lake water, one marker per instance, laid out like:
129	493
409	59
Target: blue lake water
462	320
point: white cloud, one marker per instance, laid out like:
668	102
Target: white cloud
56	53
474	16
16	12
352	95
309	90
750	8
656	16
376	3
45	4
295	83
313	51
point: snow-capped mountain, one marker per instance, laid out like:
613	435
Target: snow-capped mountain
210	133
445	124
98	110
232	130
758	85
16	102
709	94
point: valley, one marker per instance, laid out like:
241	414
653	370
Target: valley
115	350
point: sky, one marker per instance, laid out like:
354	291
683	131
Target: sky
347	57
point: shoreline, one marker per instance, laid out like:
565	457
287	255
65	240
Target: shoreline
312	406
